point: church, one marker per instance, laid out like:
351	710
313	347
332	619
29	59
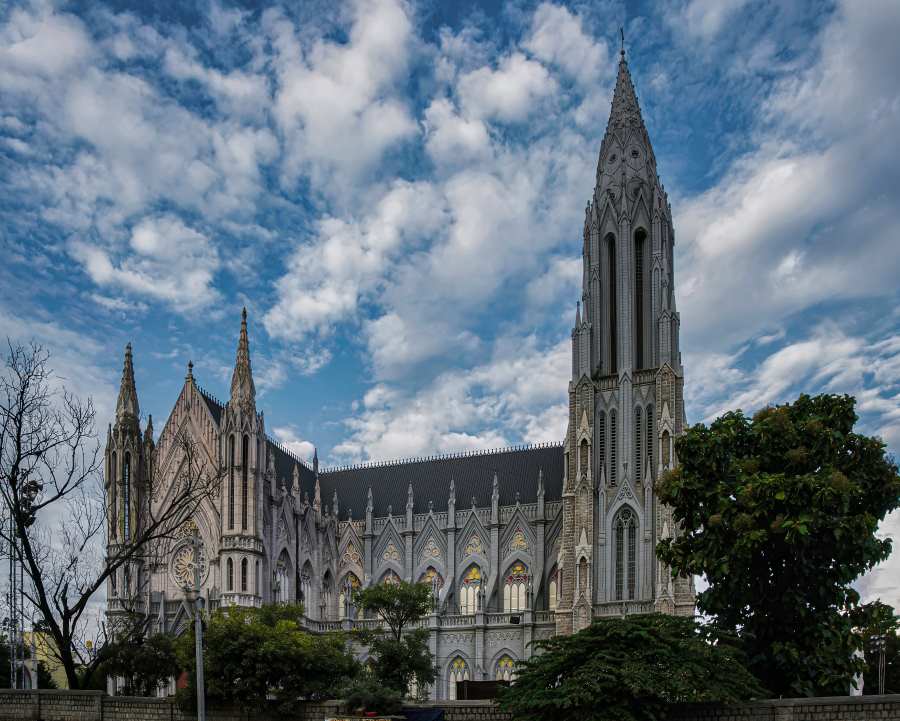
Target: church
518	544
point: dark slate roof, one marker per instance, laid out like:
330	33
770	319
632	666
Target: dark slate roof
517	470
284	470
472	473
216	407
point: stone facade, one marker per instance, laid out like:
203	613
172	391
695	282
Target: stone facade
518	543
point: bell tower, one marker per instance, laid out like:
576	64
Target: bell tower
625	396
127	459
243	454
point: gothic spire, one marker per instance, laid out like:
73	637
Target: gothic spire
243	391
127	405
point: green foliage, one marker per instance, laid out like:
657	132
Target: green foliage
255	657
780	514
873	620
397	657
368	694
143	662
628	669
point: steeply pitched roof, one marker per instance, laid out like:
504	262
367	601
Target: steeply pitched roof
517	471
472	473
216	407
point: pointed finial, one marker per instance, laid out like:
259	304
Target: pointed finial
577	313
622	33
369	505
334	504
189	376
452	491
148	432
540	488
409	498
243	390
315	460
295	486
317	496
127	404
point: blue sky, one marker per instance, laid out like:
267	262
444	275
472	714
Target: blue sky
395	190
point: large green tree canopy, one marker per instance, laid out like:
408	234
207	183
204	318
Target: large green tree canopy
628	669
780	513
258	656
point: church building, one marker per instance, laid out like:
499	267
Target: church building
518	543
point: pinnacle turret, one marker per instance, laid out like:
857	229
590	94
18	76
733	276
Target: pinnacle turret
127	408
243	391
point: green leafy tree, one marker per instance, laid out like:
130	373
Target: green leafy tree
144	662
260	657
628	669
874	620
780	513
398	655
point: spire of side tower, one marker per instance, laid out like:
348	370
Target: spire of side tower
127	405
243	391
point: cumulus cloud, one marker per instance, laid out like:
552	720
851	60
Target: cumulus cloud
509	93
339	106
166	261
485	407
800	219
289	437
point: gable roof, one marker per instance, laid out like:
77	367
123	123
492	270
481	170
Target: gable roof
517	470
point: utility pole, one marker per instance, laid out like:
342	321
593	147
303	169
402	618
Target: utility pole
194	597
880	643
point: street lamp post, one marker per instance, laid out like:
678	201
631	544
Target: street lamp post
193	597
879	642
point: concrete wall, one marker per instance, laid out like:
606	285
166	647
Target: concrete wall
96	706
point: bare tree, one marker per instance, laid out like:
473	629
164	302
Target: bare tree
52	487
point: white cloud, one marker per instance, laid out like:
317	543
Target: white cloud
557	36
452	139
511	93
484	407
289	437
703	19
339	105
166	261
328	277
802	218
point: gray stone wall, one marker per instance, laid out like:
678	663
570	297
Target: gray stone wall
96	706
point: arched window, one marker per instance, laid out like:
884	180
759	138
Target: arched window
243	575
625	529
256	587
245	461
345	597
583	575
456	673
282	578
666	449
515	588
613	465
126	498
638	447
601	442
468	590
506	669
651	434
640	237
306	588
231	481
327	594
553	590
114	497
229	575
611	302
583	458
433	580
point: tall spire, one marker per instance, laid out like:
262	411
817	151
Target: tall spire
243	391
127	405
